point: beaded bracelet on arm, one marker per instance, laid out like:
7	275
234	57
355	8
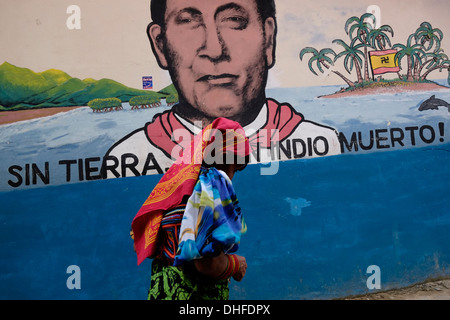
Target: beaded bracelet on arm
232	267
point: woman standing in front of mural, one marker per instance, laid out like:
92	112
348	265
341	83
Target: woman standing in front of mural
191	224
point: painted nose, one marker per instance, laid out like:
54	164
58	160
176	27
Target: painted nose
213	47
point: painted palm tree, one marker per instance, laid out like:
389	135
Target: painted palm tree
413	53
430	40
439	60
320	57
378	38
426	35
363	27
322	60
352	55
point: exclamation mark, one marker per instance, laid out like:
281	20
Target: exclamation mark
441	131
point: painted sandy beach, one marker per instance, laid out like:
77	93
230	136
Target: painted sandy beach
385	88
20	115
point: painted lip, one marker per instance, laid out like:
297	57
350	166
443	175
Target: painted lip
220	79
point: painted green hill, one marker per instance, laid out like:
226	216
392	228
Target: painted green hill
172	94
58	95
169	90
22	88
18	84
55	76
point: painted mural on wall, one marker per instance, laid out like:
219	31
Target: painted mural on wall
372	63
307	82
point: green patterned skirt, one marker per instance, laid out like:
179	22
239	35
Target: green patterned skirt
173	283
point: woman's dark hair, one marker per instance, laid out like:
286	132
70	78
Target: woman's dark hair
226	149
266	9
229	159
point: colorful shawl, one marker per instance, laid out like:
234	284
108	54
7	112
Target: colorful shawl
179	181
212	221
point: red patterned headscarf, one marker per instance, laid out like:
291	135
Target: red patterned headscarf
180	180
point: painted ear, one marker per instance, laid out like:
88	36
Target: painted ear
154	33
270	31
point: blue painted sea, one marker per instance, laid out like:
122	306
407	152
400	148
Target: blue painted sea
313	228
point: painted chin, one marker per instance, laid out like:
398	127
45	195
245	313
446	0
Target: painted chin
220	102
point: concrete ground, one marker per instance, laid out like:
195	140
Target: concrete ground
428	290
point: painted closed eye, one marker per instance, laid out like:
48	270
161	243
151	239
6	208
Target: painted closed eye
189	19
234	22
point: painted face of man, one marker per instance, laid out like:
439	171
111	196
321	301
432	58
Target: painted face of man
218	53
